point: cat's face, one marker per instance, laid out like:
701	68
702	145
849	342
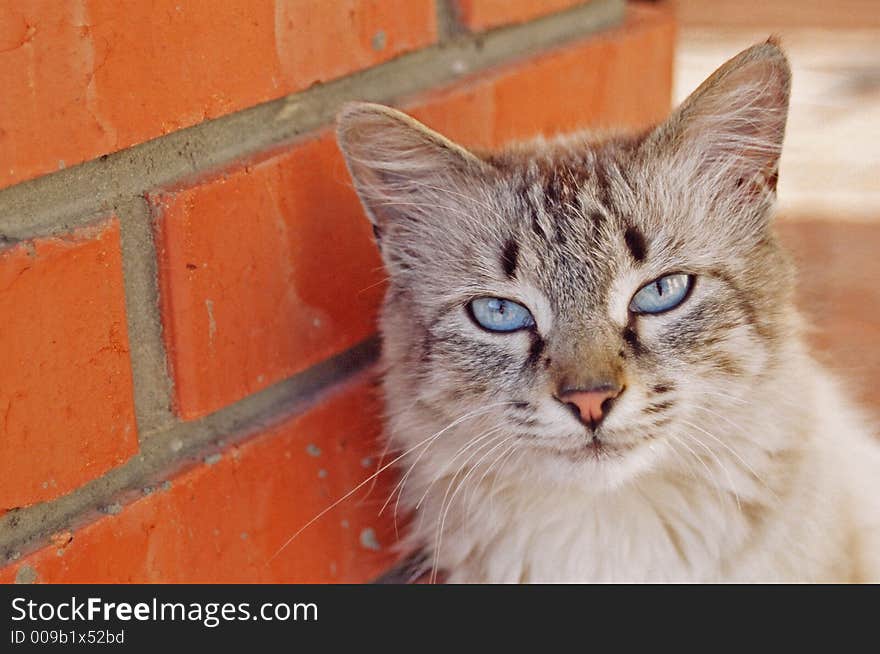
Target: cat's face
589	303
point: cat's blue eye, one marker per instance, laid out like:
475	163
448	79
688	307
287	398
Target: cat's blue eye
662	294
496	314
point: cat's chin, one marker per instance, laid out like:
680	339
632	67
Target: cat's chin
602	464
598	450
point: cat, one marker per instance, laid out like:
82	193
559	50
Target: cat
592	363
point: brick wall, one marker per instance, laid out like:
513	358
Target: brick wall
187	284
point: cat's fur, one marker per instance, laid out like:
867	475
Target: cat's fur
729	456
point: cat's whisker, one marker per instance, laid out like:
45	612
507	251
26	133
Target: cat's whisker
679	456
400	484
699	460
511	447
498	475
777	398
668	439
725	396
345	497
444	507
438	476
383	280
385	451
731	485
476	466
731	450
467	446
674	439
375	474
493	445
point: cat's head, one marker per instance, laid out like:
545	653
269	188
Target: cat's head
582	299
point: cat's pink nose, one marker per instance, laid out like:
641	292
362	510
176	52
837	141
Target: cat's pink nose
591	405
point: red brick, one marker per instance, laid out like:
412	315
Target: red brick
479	15
264	270
224	522
66	405
621	78
83	79
464	112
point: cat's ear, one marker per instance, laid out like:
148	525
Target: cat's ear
400	167
730	130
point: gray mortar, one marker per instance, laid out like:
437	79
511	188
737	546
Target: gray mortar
26	575
25	530
448	23
117	183
152	384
